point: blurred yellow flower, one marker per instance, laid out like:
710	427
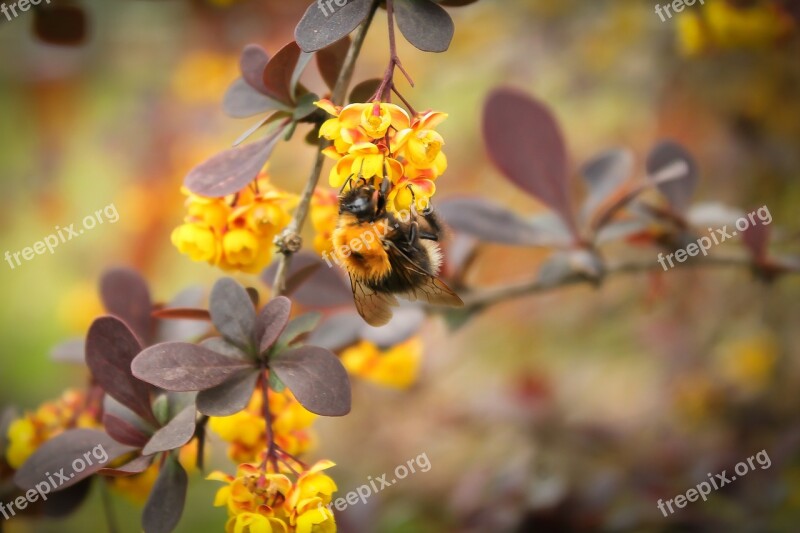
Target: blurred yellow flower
236	232
246	430
202	77
324	215
749	363
27	433
396	367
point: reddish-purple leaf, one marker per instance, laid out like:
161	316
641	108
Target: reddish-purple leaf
135	466
492	222
679	191
174	434
232	312
232	170
324	24
604	174
456	3
364	91
252	63
405	323
184	328
242	101
338	331
110	349
526	144
323	288
65	502
278	74
424	24
331	59
182	313
298	327
182	367
271	322
124	432
125	295
316	377
164	507
67	453
230	397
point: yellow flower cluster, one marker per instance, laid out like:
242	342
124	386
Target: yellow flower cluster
395	367
324	214
376	140
269	502
27	433
723	25
246	430
235	232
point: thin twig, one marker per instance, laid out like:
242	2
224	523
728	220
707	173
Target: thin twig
487	297
289	241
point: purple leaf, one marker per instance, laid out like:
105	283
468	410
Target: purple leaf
271	322
331	59
424	24
232	312
322	27
232	170
526	144
756	238
606	173
324	288
252	63
278	74
230	397
174	434
124	432
67	453
364	91
182	367
135	466
316	377
298	327
242	101
405	323
65	502
110	349
125	295
164	507
492	222
679	191
456	3
338	331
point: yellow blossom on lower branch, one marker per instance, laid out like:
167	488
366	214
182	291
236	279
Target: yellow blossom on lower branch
236	232
245	431
264	501
395	367
27	433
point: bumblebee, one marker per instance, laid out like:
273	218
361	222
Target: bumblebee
387	254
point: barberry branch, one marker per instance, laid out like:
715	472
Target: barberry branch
289	241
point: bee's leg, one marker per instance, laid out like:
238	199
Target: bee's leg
384	190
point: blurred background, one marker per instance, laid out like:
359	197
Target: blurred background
576	409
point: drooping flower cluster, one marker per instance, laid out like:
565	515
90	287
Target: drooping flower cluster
235	232
260	501
30	431
246	430
376	140
395	367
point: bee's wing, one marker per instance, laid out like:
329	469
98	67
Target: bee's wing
432	289
374	307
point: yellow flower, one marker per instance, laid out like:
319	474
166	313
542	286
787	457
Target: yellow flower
264	501
324	215
419	144
368	161
407	191
245	430
236	232
27	433
749	363
196	241
395	367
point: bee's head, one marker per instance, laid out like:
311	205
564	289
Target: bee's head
360	201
